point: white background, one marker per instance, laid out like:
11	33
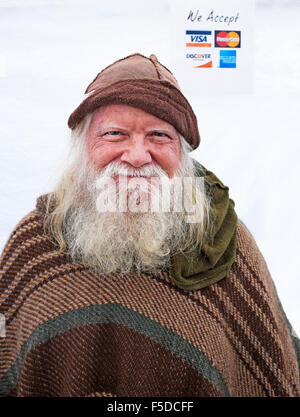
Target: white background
53	49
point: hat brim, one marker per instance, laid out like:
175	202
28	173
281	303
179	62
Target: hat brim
159	98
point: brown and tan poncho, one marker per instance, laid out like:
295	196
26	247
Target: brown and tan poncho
71	332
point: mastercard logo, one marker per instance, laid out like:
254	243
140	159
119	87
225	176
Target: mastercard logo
224	39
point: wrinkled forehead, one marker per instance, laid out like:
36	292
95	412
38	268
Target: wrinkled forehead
128	117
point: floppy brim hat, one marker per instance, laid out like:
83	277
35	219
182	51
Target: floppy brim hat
143	83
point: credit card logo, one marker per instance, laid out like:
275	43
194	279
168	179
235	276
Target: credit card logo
200	60
225	39
198	38
228	58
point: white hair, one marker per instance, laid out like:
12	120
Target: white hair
121	241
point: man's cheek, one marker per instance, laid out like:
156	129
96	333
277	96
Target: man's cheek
168	158
169	164
100	157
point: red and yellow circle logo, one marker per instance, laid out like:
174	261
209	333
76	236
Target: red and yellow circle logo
228	39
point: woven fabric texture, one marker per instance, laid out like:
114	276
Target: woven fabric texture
71	332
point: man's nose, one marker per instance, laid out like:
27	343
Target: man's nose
137	154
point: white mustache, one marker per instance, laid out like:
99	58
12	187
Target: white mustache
119	168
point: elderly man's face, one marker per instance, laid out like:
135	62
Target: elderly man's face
122	133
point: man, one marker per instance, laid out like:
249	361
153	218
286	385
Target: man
134	277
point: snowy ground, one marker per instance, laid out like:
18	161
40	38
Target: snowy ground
53	49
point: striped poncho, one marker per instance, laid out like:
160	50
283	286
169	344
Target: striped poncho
71	332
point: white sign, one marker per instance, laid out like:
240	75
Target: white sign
212	45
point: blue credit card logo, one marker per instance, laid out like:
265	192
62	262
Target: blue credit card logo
228	58
198	38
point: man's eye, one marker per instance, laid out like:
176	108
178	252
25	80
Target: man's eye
113	133
160	135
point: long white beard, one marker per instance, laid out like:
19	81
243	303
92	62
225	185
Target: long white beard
116	241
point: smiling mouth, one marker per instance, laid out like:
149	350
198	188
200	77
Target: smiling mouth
133	176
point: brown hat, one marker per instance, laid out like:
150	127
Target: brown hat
141	82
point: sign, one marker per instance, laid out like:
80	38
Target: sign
212	45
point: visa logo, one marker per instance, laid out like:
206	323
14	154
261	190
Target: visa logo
196	38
